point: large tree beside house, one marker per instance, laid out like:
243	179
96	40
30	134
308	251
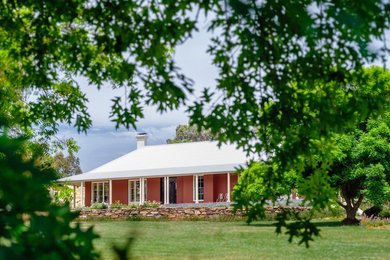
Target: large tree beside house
357	167
361	170
286	70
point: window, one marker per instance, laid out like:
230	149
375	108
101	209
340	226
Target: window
100	192
200	188
135	191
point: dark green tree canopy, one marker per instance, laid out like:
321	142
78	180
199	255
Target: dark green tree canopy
362	166
353	163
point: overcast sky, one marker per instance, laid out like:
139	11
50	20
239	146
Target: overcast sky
103	143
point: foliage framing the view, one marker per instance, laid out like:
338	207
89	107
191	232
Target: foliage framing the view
30	227
287	70
356	167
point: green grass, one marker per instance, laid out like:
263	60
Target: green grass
236	240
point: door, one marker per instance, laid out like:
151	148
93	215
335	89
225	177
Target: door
162	190
172	189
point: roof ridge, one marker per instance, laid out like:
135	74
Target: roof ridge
185	143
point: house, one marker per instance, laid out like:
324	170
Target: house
172	173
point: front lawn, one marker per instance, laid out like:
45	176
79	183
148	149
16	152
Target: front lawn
236	240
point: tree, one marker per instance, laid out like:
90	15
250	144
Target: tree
30	226
320	176
253	188
362	166
188	133
287	69
66	165
268	51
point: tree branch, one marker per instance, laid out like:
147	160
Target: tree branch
341	204
361	196
353	203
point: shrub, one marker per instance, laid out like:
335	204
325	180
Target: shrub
373	211
152	204
117	205
374	221
99	206
385	213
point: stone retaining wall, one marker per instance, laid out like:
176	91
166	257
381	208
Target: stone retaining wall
171	213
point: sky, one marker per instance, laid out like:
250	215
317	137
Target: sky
103	143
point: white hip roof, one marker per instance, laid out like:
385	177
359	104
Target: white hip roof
168	159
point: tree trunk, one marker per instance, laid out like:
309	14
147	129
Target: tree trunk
351	216
350	207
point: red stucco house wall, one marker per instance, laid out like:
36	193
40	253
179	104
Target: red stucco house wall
214	185
209	188
120	191
187	189
233	181
220	185
153	189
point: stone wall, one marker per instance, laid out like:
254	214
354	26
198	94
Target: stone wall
171	213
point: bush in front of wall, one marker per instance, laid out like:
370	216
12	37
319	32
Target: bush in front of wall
117	205
152	204
99	206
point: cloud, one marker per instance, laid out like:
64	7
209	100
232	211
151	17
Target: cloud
104	144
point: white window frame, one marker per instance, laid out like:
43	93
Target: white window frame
194	187
137	194
135	191
97	191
